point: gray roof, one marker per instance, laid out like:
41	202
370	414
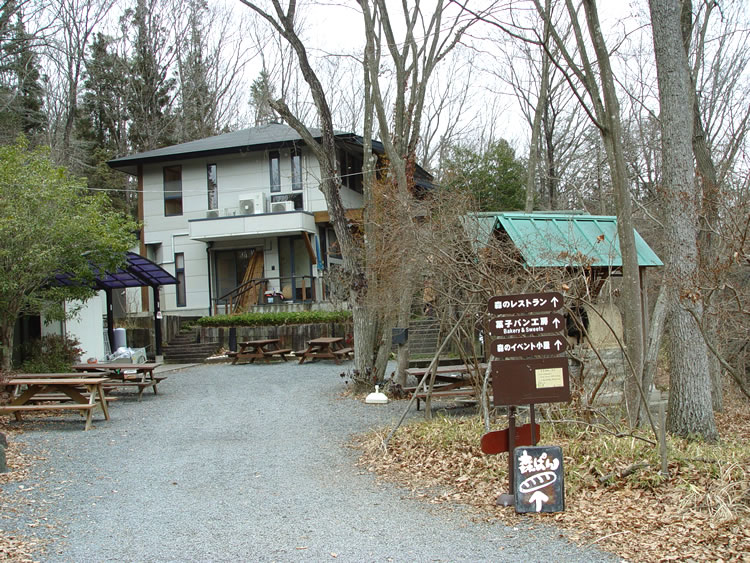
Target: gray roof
269	136
256	138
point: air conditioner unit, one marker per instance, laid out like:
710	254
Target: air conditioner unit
212	213
253	204
282	206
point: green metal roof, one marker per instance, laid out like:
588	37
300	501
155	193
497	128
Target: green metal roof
559	239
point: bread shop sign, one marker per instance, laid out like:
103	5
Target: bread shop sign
528	367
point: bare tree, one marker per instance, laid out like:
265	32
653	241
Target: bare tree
690	411
210	61
598	96
324	149
77	20
413	56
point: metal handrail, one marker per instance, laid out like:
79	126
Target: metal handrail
295	284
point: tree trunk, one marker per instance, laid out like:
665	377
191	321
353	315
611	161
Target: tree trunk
611	132
6	344
656	330
706	171
690	410
536	126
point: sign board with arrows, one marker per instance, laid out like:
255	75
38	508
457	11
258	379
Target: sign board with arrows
529	346
538	478
525	303
526	325
535	473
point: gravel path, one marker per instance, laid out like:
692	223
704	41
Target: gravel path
243	463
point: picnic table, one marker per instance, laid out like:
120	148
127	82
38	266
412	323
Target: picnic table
122	374
449	373
454	381
264	349
325	348
56	393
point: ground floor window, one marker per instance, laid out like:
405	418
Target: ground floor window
179	273
295	269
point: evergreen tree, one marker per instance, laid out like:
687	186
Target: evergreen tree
21	91
198	99
102	123
150	95
495	177
261	94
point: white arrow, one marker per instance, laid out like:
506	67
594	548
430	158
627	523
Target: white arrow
558	345
556	322
539	498
554	302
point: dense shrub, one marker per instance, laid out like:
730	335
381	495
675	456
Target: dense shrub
50	354
271	319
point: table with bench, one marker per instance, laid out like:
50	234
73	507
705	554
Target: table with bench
63	392
262	349
325	348
121	374
455	381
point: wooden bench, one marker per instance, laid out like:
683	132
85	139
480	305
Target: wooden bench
141	385
463	392
282	353
344	352
11	409
59	397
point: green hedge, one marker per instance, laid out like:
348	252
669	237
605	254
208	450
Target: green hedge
270	319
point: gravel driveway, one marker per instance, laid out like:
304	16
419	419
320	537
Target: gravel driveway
243	463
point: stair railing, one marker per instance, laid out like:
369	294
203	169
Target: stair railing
236	298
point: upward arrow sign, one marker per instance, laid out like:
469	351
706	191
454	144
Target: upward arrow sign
556	322
555	302
539	498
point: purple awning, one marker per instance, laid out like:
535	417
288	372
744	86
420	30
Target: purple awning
138	272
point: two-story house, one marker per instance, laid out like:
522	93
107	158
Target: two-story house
239	218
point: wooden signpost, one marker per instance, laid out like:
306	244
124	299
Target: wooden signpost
543	378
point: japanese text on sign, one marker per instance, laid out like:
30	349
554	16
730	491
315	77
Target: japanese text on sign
529	324
525	303
529	346
539	479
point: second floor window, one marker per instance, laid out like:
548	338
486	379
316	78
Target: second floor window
296	169
213	187
172	190
274	171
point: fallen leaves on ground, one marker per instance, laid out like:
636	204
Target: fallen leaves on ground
15	546
701	512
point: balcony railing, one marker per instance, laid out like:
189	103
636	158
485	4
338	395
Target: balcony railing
258	292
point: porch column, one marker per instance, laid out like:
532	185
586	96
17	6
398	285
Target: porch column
157	320
110	319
